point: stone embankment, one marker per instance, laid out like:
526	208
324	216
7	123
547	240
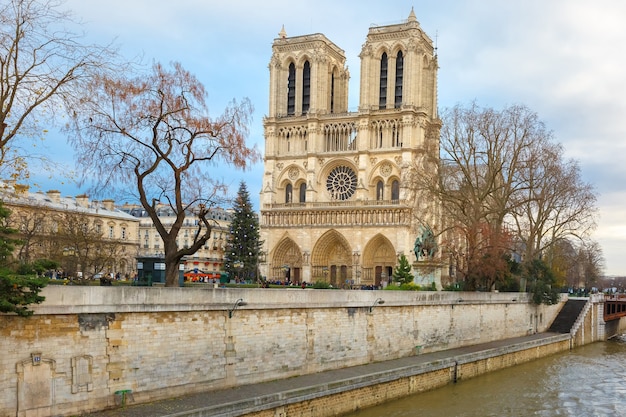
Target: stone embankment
85	345
347	390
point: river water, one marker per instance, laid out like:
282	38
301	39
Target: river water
587	381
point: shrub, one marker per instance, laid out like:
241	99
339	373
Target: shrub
403	287
321	285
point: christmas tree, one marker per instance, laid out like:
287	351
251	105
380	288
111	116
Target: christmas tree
402	273
241	257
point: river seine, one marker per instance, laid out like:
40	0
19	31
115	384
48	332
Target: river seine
588	381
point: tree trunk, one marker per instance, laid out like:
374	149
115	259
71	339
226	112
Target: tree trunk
171	274
172	259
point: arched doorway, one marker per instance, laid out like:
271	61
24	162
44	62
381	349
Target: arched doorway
379	258
331	259
286	265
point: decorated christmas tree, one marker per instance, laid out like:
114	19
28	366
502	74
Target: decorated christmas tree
241	257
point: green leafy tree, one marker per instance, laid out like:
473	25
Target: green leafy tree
542	283
7	236
16	292
38	267
402	272
243	248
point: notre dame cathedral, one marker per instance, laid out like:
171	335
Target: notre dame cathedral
334	203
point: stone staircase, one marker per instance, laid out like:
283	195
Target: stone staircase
567	317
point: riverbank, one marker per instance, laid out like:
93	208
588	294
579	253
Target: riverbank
349	389
84	345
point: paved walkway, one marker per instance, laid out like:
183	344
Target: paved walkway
241	400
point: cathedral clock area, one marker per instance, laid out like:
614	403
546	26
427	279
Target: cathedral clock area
335	203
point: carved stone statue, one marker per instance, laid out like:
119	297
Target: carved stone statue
425	243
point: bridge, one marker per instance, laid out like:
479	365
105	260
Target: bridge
614	306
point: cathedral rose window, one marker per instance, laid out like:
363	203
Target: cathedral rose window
341	183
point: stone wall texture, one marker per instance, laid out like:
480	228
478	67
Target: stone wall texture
372	395
84	344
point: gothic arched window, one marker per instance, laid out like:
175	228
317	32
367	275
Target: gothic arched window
306	87
395	190
382	96
303	193
288	193
332	92
399	75
291	90
380	191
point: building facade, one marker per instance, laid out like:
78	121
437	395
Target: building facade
335	203
204	265
86	237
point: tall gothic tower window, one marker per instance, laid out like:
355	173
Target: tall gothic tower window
382	97
399	74
288	193
306	87
332	92
291	90
303	193
395	190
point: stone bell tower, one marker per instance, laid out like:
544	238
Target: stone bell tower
335	205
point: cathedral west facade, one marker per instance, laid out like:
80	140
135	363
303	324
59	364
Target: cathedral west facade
335	203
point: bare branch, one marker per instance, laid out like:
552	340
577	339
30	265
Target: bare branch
152	132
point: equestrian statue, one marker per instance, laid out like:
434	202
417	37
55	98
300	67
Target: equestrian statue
425	243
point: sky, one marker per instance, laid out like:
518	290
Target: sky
563	59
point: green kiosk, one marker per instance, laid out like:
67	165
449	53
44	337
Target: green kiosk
151	270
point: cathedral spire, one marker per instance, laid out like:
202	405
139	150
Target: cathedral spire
412	17
282	33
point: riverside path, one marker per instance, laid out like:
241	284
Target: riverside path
247	399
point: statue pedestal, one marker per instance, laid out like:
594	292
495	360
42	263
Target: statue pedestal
426	273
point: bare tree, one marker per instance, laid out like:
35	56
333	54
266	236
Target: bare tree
562	257
83	247
153	133
31	227
43	68
482	154
555	203
591	261
503	185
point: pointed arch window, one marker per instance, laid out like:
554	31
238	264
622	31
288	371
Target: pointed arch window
395	191
303	193
332	93
399	75
291	90
382	96
306	87
380	191
288	193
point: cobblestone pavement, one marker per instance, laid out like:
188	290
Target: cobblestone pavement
237	401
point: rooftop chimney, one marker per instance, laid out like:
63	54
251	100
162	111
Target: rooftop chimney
54	195
82	200
109	204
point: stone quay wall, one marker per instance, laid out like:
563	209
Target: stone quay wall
415	380
85	345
